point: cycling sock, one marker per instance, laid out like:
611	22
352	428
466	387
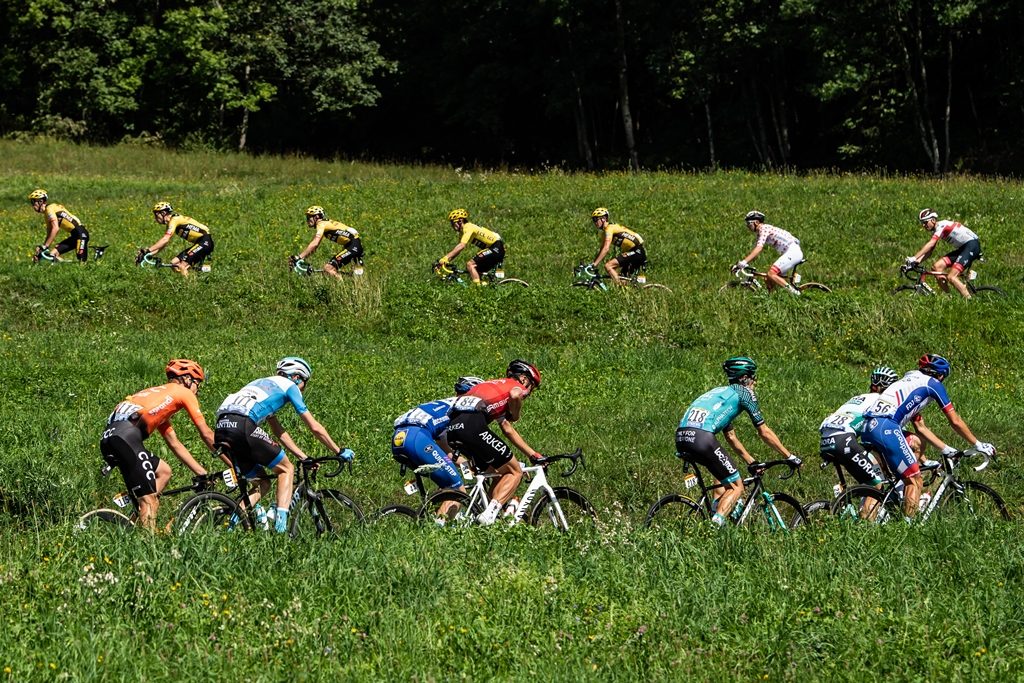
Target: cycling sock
281	521
718	519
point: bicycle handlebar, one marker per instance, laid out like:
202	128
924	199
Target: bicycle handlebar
793	467
576	457
314	463
970	453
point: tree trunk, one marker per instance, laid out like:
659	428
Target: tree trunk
919	95
244	132
579	112
949	99
711	135
627	117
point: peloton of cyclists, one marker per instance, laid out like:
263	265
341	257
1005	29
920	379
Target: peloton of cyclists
492	248
966	249
782	241
59	218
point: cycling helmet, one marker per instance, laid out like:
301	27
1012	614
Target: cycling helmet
183	367
738	367
883	376
36	195
754	216
293	365
458	214
464	384
926	215
599	212
315	211
160	207
521	367
934	365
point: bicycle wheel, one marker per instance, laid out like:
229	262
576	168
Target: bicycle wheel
658	286
987	291
818	510
329	512
782	513
910	289
976	500
448	507
577	511
396	515
512	281
867	505
103	519
675	512
812	287
207	512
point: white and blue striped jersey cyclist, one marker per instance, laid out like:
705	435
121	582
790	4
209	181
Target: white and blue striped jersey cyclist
419	437
901	404
240	436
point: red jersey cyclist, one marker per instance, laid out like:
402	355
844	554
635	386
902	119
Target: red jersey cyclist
148	411
782	241
966	249
492	248
632	255
58	218
501	401
343	235
188	229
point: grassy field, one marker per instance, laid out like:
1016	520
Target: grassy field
940	600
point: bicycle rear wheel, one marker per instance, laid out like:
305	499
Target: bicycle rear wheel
976	500
448	507
910	289
782	513
577	511
208	512
656	285
675	512
396	515
329	512
103	519
867	505
512	281
987	291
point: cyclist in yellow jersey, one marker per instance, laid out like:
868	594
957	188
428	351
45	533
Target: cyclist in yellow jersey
186	228
492	251
336	231
632	255
58	218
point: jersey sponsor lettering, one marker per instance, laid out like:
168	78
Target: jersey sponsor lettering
261	398
716	409
850	416
907	397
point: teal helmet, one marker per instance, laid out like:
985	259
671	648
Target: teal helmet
738	367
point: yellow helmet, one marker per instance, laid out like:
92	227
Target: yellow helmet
160	207
458	214
36	195
315	211
599	212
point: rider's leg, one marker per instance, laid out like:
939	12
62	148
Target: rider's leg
149	504
940	266
285	472
611	266
913	484
954	279
731	493
474	274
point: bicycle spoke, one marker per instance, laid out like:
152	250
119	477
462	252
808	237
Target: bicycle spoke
208	512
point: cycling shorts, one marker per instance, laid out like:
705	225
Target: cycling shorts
632	260
842	447
198	252
701	447
246	444
469	434
415	444
77	240
886	437
353	250
788	260
489	258
121	446
963	256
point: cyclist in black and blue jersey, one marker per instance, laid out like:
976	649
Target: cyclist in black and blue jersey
714	412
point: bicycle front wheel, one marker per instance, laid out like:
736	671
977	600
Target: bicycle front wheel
778	512
328	512
568	509
657	286
512	281
103	519
867	505
675	512
813	288
395	516
977	500
209	511
909	289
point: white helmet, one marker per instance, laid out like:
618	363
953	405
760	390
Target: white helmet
293	365
926	215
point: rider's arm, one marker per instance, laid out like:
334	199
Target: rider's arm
927	434
178	448
517	441
52	228
319	432
454	252
769	437
285	438
192	408
603	251
160	243
926	249
753	253
312	246
959	426
442	441
515	403
734	443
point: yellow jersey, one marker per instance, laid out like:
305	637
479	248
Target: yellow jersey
622	237
187	229
65	219
478	236
336	231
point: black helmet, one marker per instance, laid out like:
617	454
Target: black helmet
521	367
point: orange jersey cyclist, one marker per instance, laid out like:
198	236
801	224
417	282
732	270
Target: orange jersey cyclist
966	249
632	255
492	248
343	235
148	411
188	229
59	218
782	241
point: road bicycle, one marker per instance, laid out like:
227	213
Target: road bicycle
951	493
753	280
149	260
417	486
759	507
585	276
917	274
41	256
541	505
313	511
453	275
110	518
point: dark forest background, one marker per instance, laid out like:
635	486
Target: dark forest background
908	85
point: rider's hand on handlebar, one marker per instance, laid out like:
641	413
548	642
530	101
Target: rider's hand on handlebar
347	454
985	448
910	262
738	266
795	460
756	467
535	457
140	257
948	450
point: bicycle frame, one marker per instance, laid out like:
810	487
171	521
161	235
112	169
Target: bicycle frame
478	498
753	484
917	275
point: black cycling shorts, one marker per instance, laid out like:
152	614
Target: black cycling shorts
843	448
353	250
198	252
632	260
489	258
122	447
469	434
701	447
77	240
964	255
246	444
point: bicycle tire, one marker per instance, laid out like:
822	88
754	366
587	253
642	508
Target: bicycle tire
658	286
784	514
814	287
396	515
104	518
208	511
978	500
512	281
328	513
905	288
578	511
987	290
867	505
429	512
818	510
675	512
